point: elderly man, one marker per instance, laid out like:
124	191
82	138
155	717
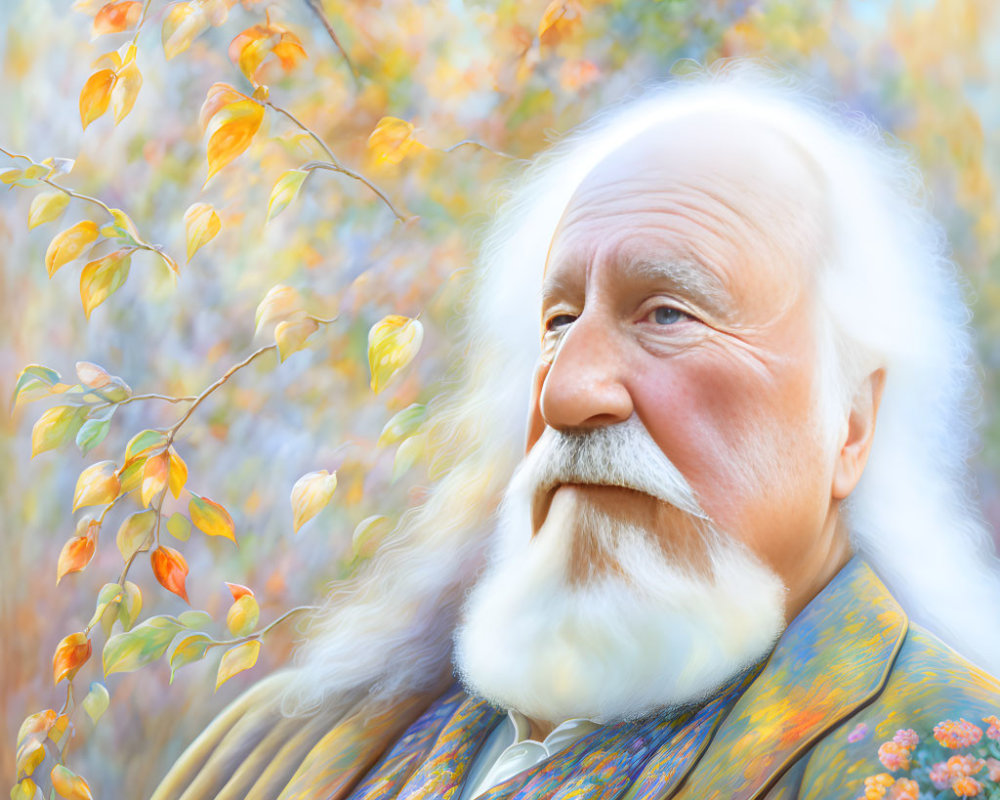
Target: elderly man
676	596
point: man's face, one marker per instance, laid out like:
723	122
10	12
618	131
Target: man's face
678	288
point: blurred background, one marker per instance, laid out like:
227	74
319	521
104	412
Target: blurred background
510	75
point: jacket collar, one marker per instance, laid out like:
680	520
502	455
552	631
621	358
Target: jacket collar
833	658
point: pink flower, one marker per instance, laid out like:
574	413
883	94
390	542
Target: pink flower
992	732
940	776
954	735
907	738
894	756
964	766
859	732
994	767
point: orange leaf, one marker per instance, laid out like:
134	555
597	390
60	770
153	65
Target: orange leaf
69	244
95	95
560	19
238	590
154	476
170	570
39	723
391	141
69	785
210	517
117	17
75	555
102	278
230	132
71	654
251	47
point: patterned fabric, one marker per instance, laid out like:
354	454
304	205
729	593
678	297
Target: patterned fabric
788	729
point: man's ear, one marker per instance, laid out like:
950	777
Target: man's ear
854	450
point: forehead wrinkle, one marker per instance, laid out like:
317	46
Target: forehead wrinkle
688	276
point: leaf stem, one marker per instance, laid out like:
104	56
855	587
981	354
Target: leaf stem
317	8
16	155
263	631
79	196
334	164
142	20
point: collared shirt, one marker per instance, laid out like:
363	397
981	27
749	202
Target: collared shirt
508	750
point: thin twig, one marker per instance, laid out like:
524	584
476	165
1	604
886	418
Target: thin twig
167	398
142	19
334	164
317	7
479	144
263	631
79	196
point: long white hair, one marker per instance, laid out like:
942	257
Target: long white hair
892	299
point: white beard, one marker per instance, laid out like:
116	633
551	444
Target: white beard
649	633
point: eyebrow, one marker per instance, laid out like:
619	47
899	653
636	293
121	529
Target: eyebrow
685	276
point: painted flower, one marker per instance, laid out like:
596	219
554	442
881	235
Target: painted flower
876	785
859	732
992	732
954	735
963	766
966	787
894	756
904	789
907	738
993	766
940	776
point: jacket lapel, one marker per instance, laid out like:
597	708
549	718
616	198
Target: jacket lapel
834	657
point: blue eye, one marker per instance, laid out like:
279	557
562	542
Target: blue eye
559	321
666	315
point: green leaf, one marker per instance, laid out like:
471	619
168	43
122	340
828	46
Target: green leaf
284	191
189	649
195	619
146	642
143	442
92	433
107	602
131	605
96	702
56	426
33	376
403	424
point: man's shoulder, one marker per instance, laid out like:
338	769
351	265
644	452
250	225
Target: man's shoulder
933	705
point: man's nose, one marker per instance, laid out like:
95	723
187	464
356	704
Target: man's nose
585	385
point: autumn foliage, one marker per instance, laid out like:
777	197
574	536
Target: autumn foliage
261	216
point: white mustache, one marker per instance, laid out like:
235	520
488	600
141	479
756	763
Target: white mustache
622	455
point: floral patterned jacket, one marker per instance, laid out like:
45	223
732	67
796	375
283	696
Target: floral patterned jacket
854	701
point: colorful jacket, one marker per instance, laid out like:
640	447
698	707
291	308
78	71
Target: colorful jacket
813	721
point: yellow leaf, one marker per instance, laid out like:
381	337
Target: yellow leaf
284	191
177	473
27	789
38	723
69	244
69	785
45	207
101	278
230	132
368	533
179	526
310	494
189	649
136	533
291	334
95	95
201	224
182	24
154	476
131	605
236	660
560	19
126	90
143	442
402	424
219	96
106	608
243	615
392	344
124	223
391	141
407	455
210	517
280	302
54	427
98	484
30	754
